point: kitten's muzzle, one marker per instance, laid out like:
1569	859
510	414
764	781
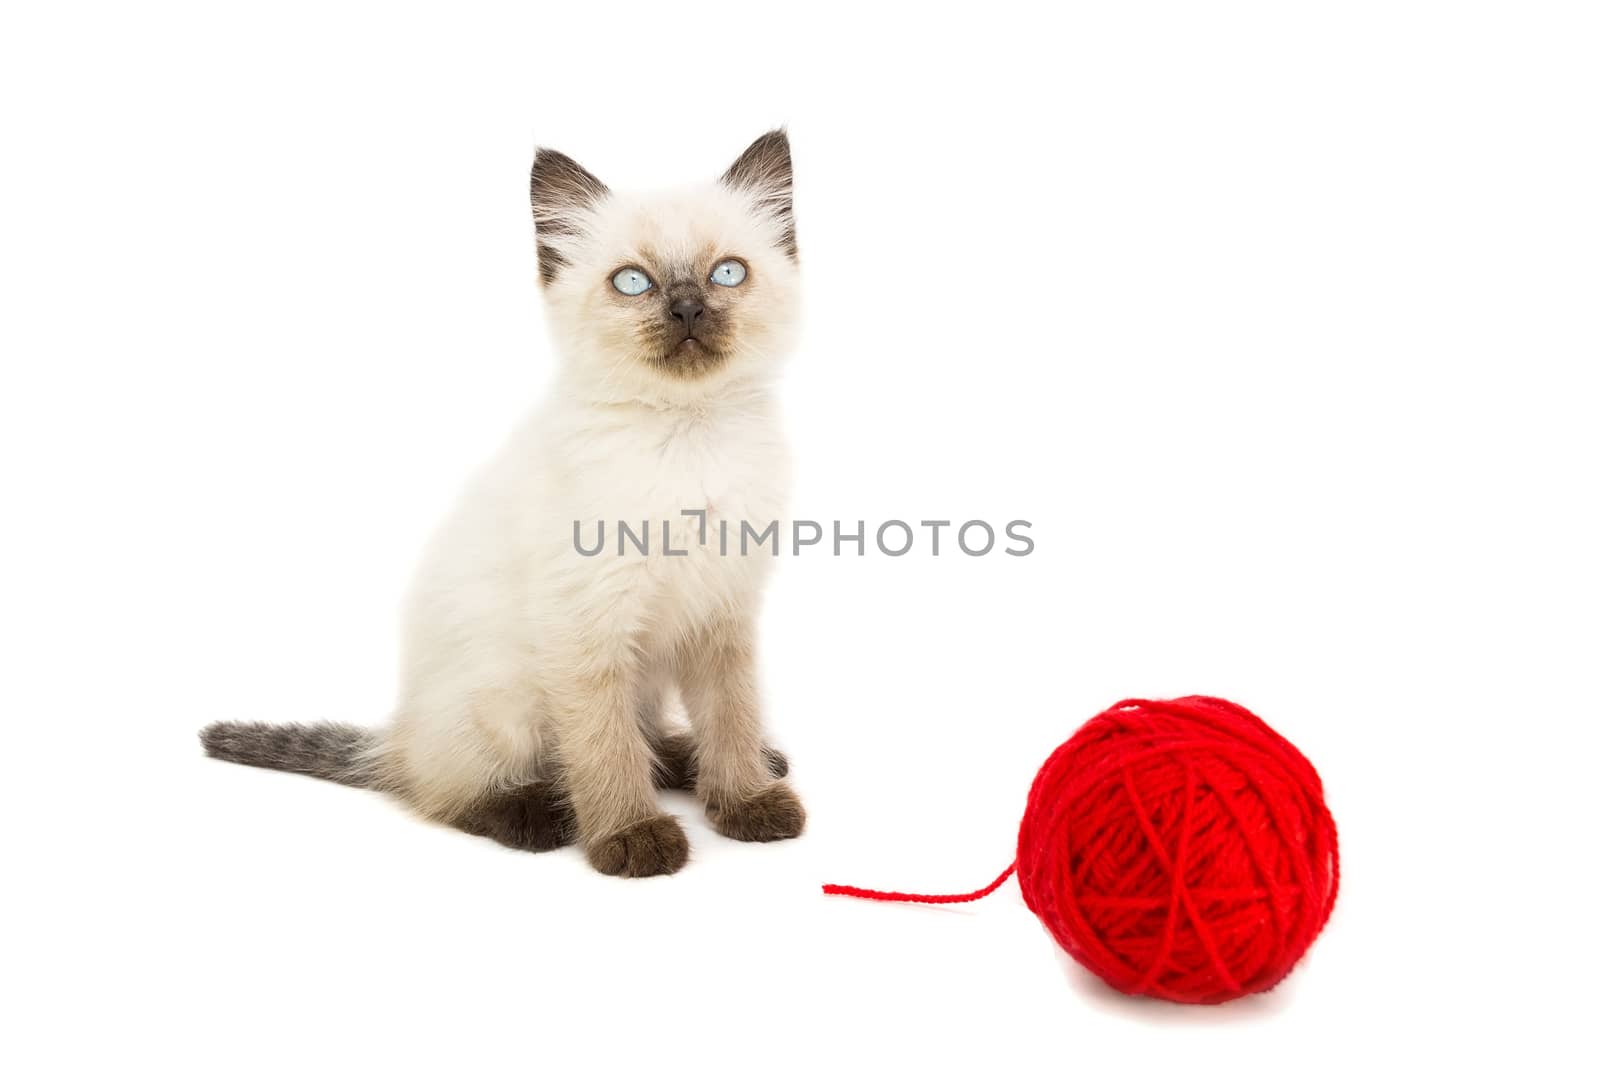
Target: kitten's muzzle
690	338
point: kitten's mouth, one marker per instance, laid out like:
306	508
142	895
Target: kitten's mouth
691	353
689	357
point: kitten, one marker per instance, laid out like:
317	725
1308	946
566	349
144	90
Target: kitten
535	676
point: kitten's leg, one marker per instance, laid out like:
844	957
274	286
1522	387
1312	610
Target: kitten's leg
607	767
733	775
472	758
674	748
672	756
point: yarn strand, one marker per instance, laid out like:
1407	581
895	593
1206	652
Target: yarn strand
919	898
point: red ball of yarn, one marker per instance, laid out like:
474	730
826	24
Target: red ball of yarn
1180	849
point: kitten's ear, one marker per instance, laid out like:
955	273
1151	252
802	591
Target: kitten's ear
563	194
764	169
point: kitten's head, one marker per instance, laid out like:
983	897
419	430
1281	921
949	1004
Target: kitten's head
670	293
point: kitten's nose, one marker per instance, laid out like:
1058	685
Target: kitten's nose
687	311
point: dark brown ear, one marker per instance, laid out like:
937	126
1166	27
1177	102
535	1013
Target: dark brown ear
765	170
562	192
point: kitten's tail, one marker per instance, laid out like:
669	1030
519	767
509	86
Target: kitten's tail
335	751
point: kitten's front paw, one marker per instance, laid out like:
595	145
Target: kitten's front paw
655	846
773	814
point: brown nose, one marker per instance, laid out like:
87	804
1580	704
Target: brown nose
686	311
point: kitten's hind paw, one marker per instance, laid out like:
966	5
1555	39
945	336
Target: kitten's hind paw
773	814
534	818
675	762
654	846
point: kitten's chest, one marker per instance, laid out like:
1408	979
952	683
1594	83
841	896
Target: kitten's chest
732	470
689	492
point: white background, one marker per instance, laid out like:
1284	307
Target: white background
1278	323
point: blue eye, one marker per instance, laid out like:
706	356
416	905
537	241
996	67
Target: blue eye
630	281
729	272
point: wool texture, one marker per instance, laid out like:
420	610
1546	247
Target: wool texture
1177	849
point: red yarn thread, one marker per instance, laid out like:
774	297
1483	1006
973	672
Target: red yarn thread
1178	849
919	898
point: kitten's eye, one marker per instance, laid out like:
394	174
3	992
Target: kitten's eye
729	272
630	281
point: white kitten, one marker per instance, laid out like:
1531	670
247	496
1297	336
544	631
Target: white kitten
535	674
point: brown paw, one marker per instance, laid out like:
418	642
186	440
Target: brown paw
675	765
674	761
773	814
655	846
535	818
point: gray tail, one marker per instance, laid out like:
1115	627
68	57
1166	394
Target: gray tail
332	750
